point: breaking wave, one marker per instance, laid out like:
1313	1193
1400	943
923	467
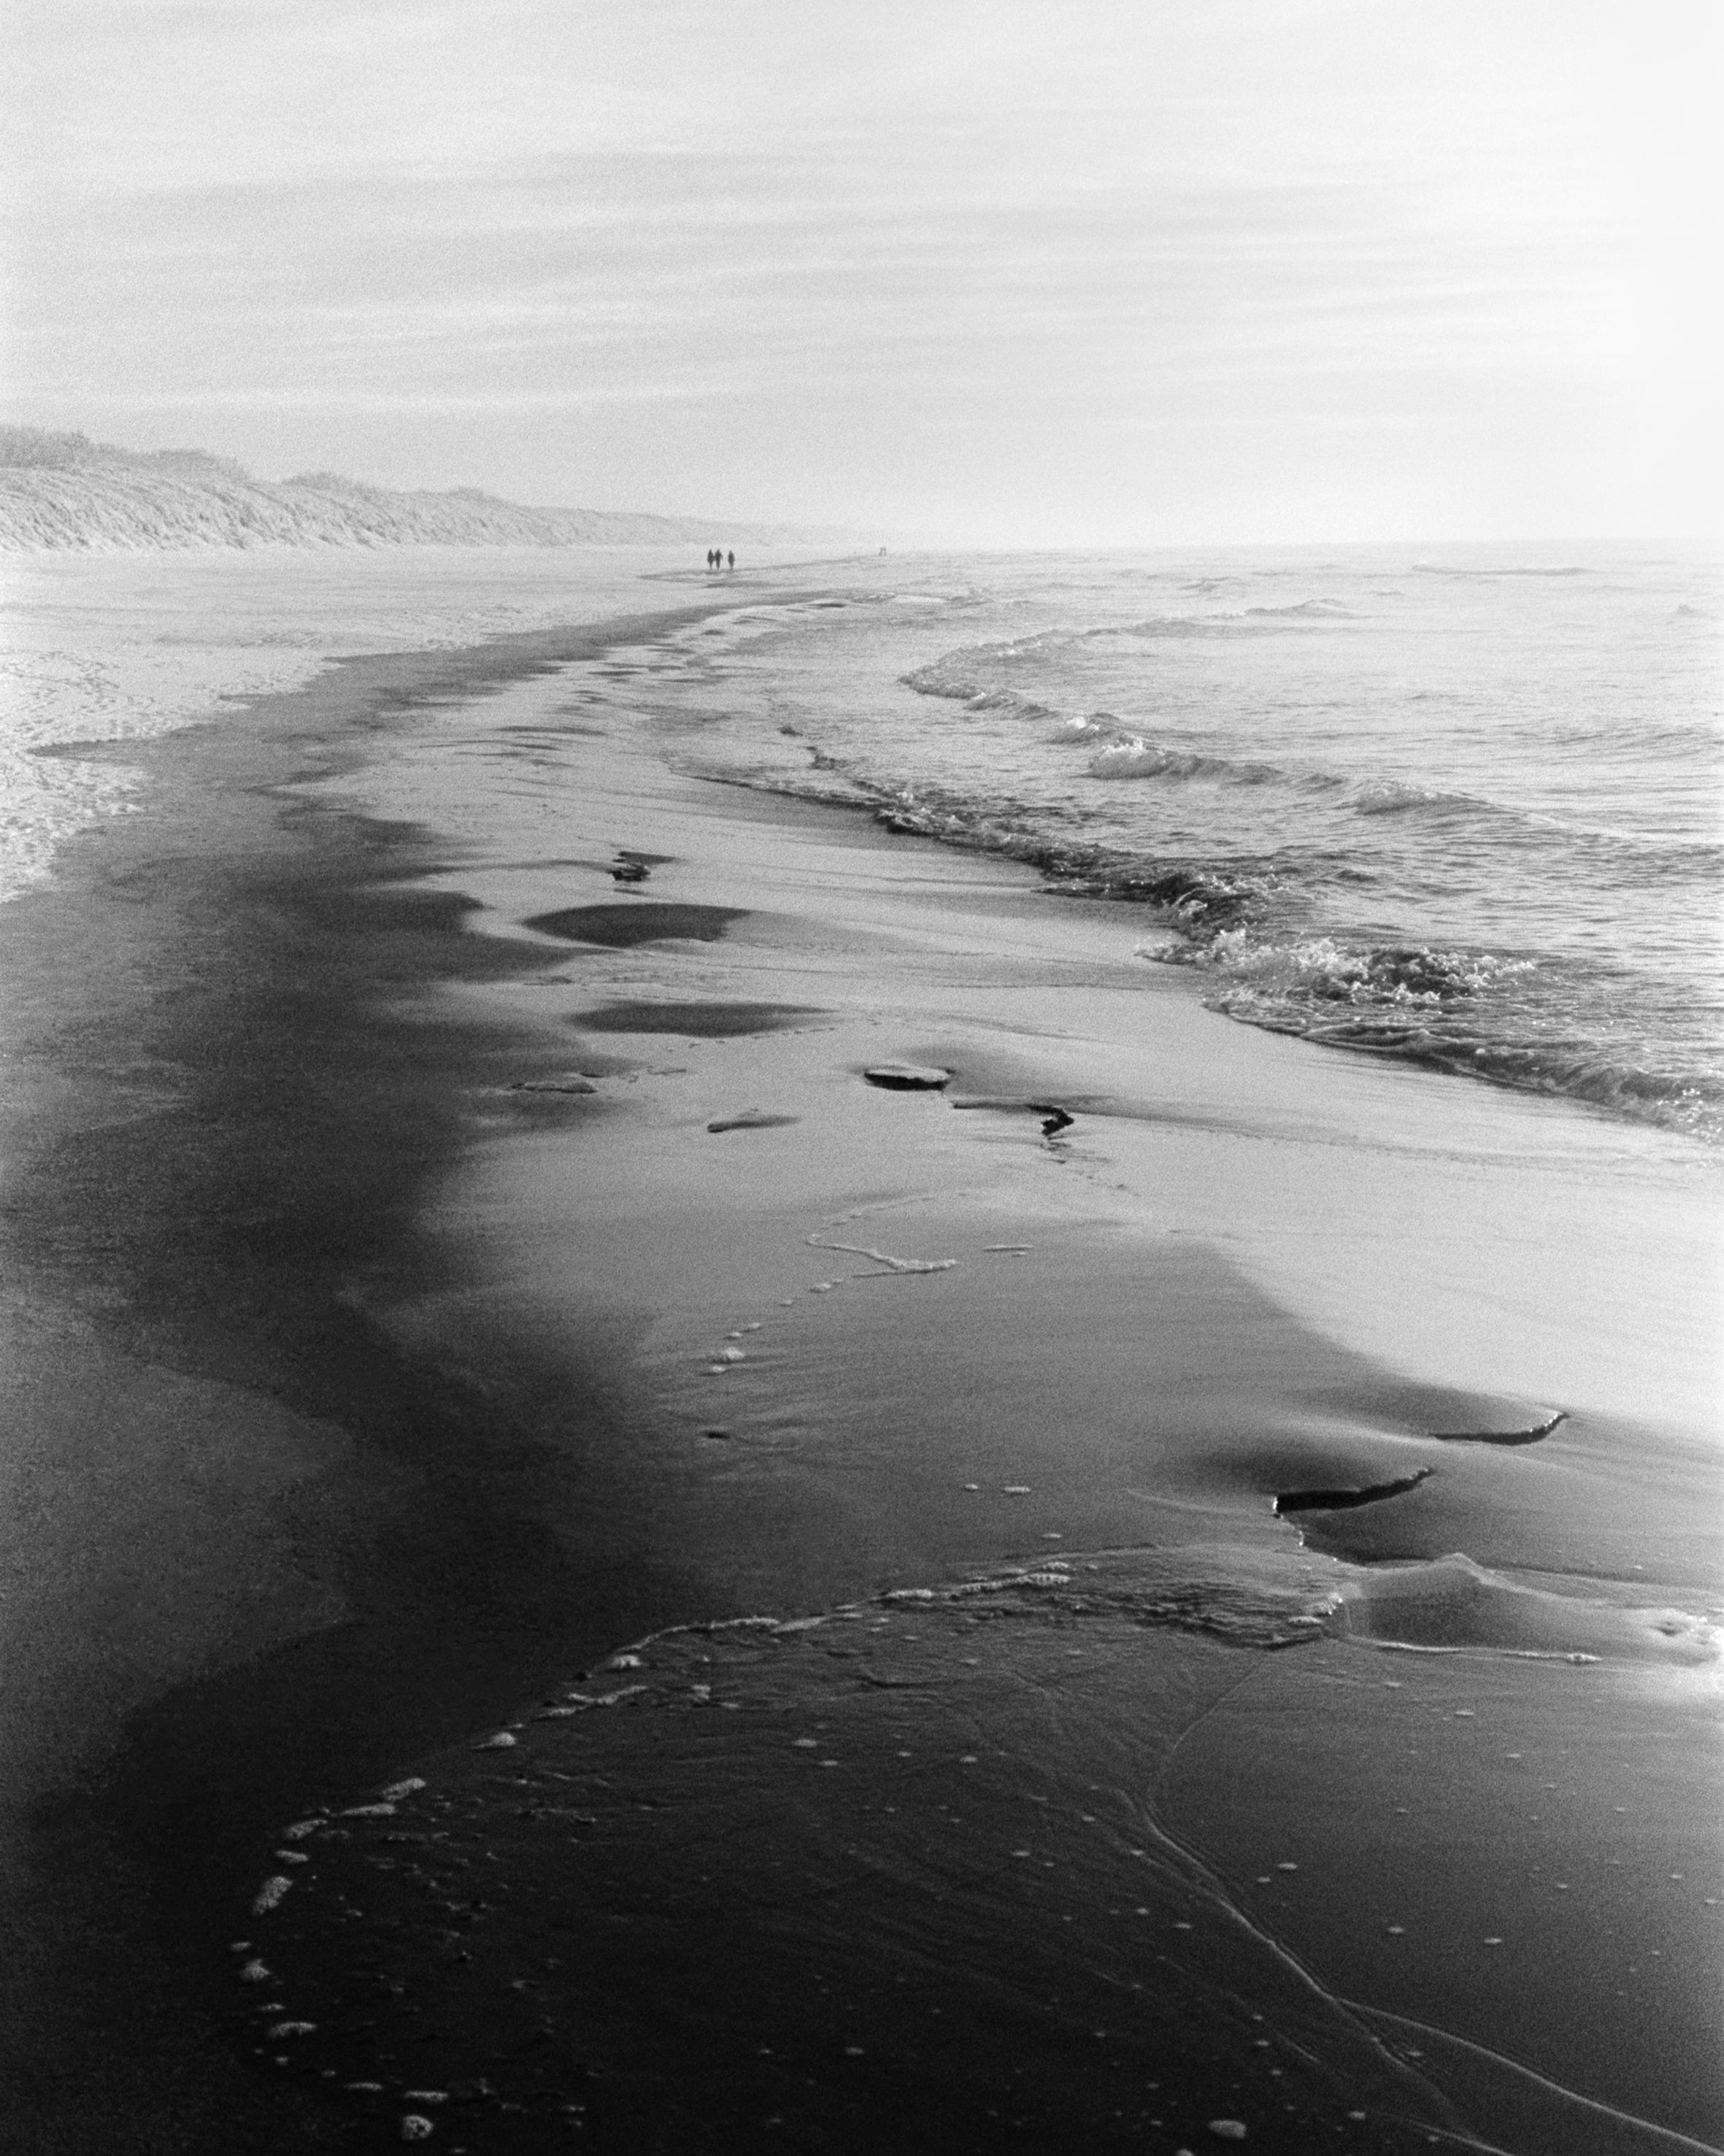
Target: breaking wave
1510	1020
1138	758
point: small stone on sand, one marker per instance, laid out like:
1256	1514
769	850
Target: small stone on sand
503	1741
907	1077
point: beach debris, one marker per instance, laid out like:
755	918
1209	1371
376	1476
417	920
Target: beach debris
731	1355
973	1485
396	1790
281	2029
270	1894
1016	1489
624	1662
415	2127
255	1972
1228	2129
751	1119
907	1077
426	2096
290	1856
300	1829
361	2088
504	1741
380	1810
631	872
570	1085
1287	1867
1009	1250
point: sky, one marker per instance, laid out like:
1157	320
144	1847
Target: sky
1082	272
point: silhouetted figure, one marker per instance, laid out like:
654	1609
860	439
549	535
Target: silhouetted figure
732	562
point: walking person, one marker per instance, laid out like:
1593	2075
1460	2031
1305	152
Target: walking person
733	557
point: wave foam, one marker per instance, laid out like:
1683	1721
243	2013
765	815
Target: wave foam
1138	758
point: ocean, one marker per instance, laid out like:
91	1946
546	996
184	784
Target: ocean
1456	805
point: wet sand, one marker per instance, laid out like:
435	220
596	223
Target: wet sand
467	1262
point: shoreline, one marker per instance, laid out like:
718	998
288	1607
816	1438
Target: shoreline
174	1276
438	1279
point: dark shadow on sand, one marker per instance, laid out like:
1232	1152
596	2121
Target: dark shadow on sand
620	927
700	1021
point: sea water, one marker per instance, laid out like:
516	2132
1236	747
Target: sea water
1458	805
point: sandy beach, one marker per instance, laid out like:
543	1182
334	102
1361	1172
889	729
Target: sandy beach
702	1478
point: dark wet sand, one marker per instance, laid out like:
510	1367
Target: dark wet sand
251	1549
369	1487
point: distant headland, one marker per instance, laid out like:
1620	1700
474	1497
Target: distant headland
64	492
